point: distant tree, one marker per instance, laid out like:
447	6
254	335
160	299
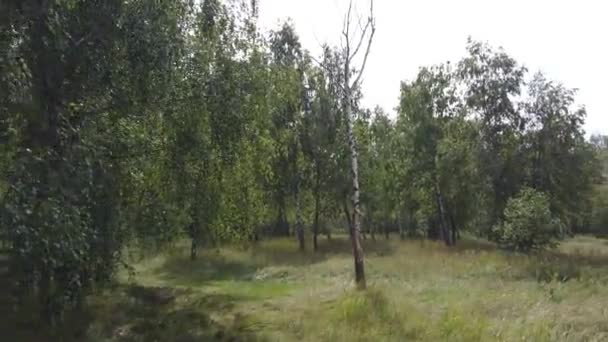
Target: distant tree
320	144
378	159
426	111
287	109
561	159
492	81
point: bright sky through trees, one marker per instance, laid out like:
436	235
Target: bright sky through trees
562	38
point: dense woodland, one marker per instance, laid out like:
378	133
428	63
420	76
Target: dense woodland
138	124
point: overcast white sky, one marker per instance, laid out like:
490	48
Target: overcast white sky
568	40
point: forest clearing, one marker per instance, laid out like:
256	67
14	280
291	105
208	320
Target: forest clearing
420	290
178	171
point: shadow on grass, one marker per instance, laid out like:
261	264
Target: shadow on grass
209	267
284	252
134	313
249	270
126	316
581	259
468	244
562	267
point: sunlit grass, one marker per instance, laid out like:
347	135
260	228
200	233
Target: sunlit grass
418	291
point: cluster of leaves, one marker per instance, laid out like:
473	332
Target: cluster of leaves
528	224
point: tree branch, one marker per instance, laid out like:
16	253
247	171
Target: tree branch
363	34
346	27
326	68
372	23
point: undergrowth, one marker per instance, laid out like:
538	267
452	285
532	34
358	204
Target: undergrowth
418	291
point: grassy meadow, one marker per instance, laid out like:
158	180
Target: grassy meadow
418	291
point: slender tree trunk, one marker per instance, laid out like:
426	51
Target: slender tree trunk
386	230
326	229
347	216
354	169
315	232
193	248
44	297
453	226
315	229
400	225
299	224
443	228
282	225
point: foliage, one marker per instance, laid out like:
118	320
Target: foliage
528	224
599	212
135	124
598	216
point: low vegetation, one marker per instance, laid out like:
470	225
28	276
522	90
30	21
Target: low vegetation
418	290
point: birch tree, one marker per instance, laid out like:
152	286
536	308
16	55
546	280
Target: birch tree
355	45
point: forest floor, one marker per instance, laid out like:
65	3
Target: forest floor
417	291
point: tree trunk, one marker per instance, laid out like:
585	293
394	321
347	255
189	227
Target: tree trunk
315	228
443	229
386	230
282	225
299	225
347	216
453	226
45	298
400	225
315	234
354	169
443	226
193	248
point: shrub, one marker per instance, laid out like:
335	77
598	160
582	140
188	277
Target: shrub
528	224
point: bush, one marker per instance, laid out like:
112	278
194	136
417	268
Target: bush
528	224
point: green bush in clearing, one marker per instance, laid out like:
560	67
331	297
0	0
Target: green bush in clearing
528	224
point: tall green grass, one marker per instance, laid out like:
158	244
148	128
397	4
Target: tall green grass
419	291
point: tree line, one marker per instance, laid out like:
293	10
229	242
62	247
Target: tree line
141	123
